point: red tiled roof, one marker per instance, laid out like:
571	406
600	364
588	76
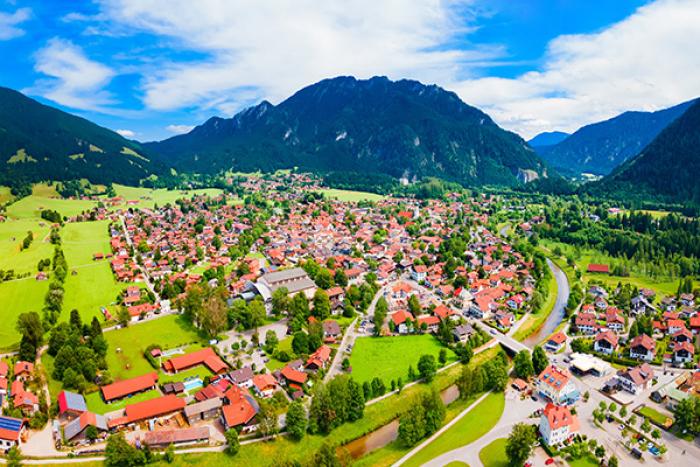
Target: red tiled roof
295	376
598	268
205	356
152	408
238	413
560	416
128	386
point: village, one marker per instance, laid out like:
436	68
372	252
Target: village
234	309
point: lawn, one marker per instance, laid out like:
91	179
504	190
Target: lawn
286	345
96	404
654	416
126	346
351	196
475	424
17	297
494	455
583	462
388	358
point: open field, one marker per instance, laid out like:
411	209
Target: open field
469	428
126	346
148	197
12	232
351	196
17	297
96	404
494	455
388	358
664	286
32	205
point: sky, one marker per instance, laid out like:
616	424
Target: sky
151	69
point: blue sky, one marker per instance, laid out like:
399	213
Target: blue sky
153	68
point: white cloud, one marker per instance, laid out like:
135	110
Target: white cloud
126	133
74	80
179	129
270	49
646	62
9	23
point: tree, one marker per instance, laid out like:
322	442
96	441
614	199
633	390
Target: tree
296	420
233	445
267	419
427	367
280	300
522	365
412	425
539	360
299	307
434	411
271	341
613	462
623	411
356	405
442	358
120	453
326	456
322	305
519	444
300	343
213	314
91	433
414	305
14	457
32	331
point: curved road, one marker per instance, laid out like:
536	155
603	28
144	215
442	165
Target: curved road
558	312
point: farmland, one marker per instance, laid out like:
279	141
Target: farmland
351	196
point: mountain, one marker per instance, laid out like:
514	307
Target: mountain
667	168
401	128
38	142
548	138
600	147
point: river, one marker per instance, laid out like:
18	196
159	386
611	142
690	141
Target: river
380	437
558	312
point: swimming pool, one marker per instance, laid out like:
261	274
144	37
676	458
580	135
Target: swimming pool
192	384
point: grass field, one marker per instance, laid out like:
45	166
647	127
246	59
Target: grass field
388	358
286	345
31	206
169	332
96	404
583	462
494	455
664	286
17	297
535	320
351	196
469	428
654	415
147	197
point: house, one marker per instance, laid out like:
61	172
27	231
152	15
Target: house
516	301
401	319
443	312
643	347
295	280
24	400
586	323
688	299
75	429
240	410
419	273
605	342
331	330
463	332
293	376
504	320
264	385
10	431
557	424
598	268
147	410
682	336
555	342
675	325
683	352
319	359
70	404
242	377
431	322
177	437
557	385
634	380
23	370
127	387
638	305
205	356
204	410
614	321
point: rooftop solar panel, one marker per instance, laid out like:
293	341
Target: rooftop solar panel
10	423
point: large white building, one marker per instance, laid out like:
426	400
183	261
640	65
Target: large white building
557	385
557	424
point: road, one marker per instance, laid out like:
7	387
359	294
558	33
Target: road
502	339
147	277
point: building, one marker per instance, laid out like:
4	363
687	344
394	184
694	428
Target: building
240	410
319	359
295	280
178	437
557	424
75	430
11	430
205	356
70	404
205	410
605	342
598	268
555	342
463	332
419	273
557	385
643	347
264	384
146	410
127	387
634	380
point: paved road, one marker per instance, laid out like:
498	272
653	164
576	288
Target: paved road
147	277
503	339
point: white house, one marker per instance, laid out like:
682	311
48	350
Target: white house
557	385
557	424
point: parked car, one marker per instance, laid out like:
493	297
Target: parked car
549	461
